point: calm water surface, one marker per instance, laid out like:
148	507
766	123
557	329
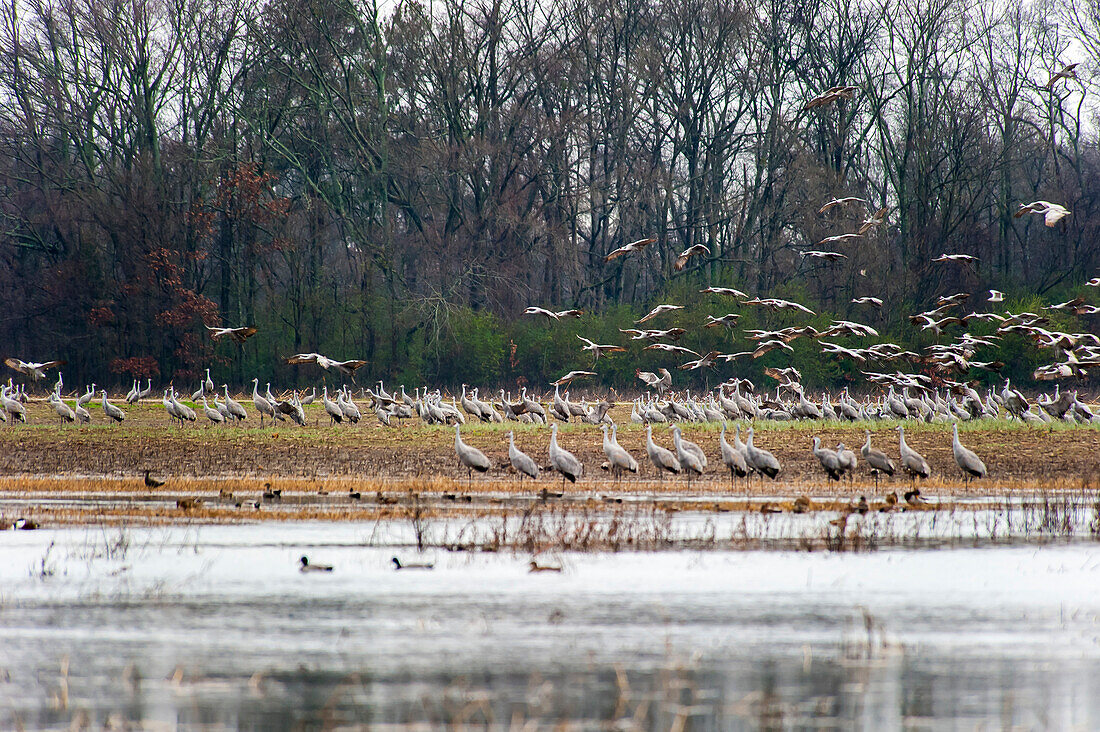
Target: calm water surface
214	628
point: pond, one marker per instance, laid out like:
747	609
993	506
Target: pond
214	627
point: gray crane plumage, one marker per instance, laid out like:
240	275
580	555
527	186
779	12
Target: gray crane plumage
232	407
521	461
911	460
662	458
263	406
878	460
691	459
212	414
617	456
733	458
829	460
111	410
470	457
760	459
564	461
848	462
971	465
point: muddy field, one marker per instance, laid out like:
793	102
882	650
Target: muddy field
146	440
367	471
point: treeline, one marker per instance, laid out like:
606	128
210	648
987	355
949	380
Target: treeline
398	184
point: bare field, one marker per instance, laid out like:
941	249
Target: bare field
92	474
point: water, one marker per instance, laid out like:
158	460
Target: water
214	628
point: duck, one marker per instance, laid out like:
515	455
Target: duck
307	567
398	565
534	566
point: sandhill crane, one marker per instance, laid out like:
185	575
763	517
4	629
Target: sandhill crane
533	406
520	460
828	459
15	410
238	335
661	458
634	246
131	396
759	459
1052	213
185	412
345	367
170	408
277	414
1069	71
732	457
236	411
841	201
212	414
617	457
208	385
963	258
309	398
691	456
470	457
82	415
562	460
848	462
658	311
830	95
293	409
729	291
693	251
32	369
348	407
86	396
874	220
263	406
598	349
867	301
968	462
143	393
1013	400
472	408
818	254
552	314
877	459
335	414
111	410
574	375
911	461
660	383
64	413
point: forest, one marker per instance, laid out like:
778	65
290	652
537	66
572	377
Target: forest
398	182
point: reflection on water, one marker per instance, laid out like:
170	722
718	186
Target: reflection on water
214	628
